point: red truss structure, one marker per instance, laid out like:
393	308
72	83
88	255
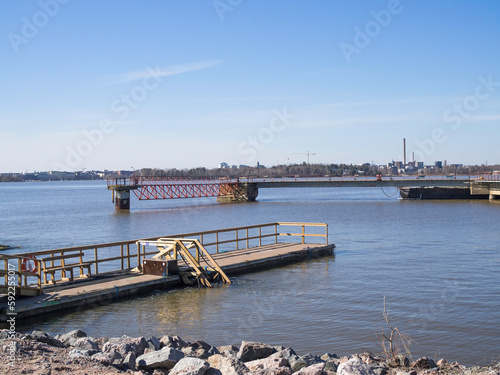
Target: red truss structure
165	188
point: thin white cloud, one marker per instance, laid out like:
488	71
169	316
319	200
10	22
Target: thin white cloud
162	72
484	118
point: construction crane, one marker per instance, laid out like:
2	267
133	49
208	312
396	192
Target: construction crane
305	153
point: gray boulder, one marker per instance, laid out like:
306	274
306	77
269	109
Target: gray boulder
329	357
66	337
228	350
190	366
423	363
106	358
153	343
316	369
331	366
86	343
354	366
165	358
267	364
250	351
288	354
220	365
126	344
77	353
129	362
200	349
306	361
46	339
174	342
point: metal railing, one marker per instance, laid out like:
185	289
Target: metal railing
126	255
17	272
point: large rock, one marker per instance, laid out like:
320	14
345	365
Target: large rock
250	351
190	366
423	363
288	354
70	337
331	366
86	343
225	366
77	353
354	366
174	342
129	361
153	343
200	349
316	369
306	361
228	350
106	358
267	364
329	357
165	358
126	344
277	371
46	339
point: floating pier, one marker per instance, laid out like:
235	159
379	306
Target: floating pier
78	278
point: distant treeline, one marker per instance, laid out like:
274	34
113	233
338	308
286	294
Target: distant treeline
304	169
301	170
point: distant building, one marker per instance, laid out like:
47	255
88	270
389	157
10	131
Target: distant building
438	164
223	165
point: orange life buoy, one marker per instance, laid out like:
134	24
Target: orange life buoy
28	264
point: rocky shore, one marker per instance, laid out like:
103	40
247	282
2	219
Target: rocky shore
75	353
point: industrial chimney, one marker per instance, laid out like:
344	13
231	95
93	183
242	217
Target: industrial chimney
404	151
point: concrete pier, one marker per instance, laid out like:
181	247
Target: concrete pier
87	276
239	192
121	196
112	286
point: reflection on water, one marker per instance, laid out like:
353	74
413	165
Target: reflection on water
437	264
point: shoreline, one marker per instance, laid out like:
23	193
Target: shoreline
74	352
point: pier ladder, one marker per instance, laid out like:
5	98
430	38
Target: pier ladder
200	265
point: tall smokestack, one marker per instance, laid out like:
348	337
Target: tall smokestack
404	151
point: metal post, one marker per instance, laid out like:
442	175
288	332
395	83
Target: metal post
260	236
303	234
236	239
39	275
128	256
247	239
276	232
95	258
217	241
326	233
19	277
6	266
138	255
121	255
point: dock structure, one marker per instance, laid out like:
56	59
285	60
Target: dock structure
78	278
246	189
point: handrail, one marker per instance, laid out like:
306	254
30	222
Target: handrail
123	255
8	270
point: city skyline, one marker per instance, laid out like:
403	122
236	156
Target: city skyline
123	85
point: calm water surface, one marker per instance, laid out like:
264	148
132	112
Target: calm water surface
437	264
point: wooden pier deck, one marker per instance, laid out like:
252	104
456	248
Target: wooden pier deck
102	288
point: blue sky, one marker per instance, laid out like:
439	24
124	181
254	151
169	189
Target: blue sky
128	84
